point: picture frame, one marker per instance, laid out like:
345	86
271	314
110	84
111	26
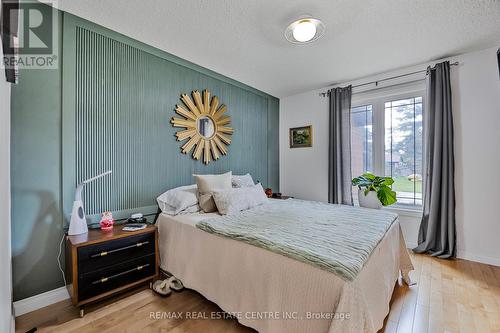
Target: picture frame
301	137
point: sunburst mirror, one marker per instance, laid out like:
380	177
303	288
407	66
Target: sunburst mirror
205	126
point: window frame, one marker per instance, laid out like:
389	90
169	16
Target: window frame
377	100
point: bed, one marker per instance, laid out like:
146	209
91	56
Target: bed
272	292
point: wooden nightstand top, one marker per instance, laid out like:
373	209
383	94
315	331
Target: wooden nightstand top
97	235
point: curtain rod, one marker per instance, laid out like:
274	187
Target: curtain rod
324	94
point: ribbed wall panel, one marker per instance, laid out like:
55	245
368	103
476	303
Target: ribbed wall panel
124	99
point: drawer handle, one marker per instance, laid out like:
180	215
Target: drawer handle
105	253
105	279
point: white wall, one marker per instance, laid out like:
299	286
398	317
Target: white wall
5	247
476	103
304	171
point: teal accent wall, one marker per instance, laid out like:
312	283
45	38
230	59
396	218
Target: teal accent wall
36	180
90	115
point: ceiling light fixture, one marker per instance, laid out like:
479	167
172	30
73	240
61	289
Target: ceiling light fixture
304	30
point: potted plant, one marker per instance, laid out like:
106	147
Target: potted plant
374	191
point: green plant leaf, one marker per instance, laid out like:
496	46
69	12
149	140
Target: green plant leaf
386	195
361	181
368	175
388	181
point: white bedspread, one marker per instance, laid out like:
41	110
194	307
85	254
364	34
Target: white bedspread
273	293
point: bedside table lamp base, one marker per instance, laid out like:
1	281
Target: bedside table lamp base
78	222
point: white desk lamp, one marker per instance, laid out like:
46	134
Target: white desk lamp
78	223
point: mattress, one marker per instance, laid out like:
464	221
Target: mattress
273	293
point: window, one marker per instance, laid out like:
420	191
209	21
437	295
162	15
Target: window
361	140
403	148
386	139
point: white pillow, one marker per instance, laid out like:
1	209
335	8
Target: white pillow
242	181
169	210
207	184
179	199
236	199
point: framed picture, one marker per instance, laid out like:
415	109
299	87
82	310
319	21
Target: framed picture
301	137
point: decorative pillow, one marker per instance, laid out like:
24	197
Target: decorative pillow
236	199
207	184
179	199
242	181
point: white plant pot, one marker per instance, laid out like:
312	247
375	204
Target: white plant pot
370	200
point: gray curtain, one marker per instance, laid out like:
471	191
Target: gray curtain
437	235
339	146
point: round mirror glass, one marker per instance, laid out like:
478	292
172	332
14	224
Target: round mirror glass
206	126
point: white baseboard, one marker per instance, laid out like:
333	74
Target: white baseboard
478	258
468	256
39	301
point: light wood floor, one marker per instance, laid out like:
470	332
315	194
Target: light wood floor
450	296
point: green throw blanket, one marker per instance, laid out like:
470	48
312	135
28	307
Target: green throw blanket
336	238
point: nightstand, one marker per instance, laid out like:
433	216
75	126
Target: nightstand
100	264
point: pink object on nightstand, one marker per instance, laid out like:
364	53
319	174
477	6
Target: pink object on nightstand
107	221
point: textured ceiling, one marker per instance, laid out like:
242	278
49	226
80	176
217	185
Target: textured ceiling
244	39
